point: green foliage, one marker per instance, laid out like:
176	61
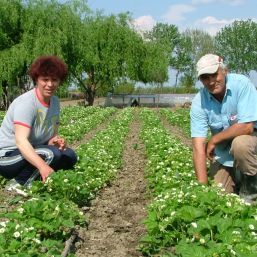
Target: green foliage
155	62
181	58
124	88
10	23
30	29
166	37
237	43
103	51
111	52
166	34
200	44
164	90
38	226
187	82
187	218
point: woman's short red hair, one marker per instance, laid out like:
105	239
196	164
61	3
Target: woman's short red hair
48	65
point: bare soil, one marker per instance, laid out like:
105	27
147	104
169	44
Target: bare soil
115	216
99	101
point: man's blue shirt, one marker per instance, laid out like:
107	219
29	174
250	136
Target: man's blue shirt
239	105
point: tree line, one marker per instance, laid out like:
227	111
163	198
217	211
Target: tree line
106	52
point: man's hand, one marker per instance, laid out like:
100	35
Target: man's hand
58	142
45	171
210	149
228	134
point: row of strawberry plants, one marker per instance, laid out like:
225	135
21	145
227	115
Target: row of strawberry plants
186	218
71	114
40	225
77	121
178	117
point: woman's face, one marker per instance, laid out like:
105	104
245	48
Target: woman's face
47	86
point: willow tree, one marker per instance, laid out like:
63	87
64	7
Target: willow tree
11	48
108	54
154	64
32	28
237	43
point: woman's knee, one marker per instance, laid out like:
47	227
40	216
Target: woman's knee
70	157
50	154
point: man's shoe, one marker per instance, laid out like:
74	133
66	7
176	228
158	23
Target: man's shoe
14	186
248	188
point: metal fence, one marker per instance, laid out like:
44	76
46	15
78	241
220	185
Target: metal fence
148	100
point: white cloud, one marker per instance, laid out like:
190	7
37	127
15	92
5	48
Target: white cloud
176	12
214	21
179	14
230	2
211	24
144	23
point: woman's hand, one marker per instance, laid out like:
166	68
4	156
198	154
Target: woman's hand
45	171
58	142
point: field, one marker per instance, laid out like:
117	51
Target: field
132	193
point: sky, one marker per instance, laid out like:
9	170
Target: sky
207	15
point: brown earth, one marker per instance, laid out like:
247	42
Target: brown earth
115	216
99	101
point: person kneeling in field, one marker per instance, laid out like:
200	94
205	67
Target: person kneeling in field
29	144
227	105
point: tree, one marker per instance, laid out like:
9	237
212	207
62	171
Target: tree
11	48
36	27
154	64
182	57
200	44
110	52
167	37
166	34
237	43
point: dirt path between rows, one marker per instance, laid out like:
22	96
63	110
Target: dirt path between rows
115	216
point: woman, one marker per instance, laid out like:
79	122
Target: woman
29	143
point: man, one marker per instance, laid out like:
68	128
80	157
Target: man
227	105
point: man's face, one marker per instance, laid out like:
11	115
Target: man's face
216	82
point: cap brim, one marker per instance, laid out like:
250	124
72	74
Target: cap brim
208	70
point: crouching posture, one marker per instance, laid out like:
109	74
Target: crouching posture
30	146
227	105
